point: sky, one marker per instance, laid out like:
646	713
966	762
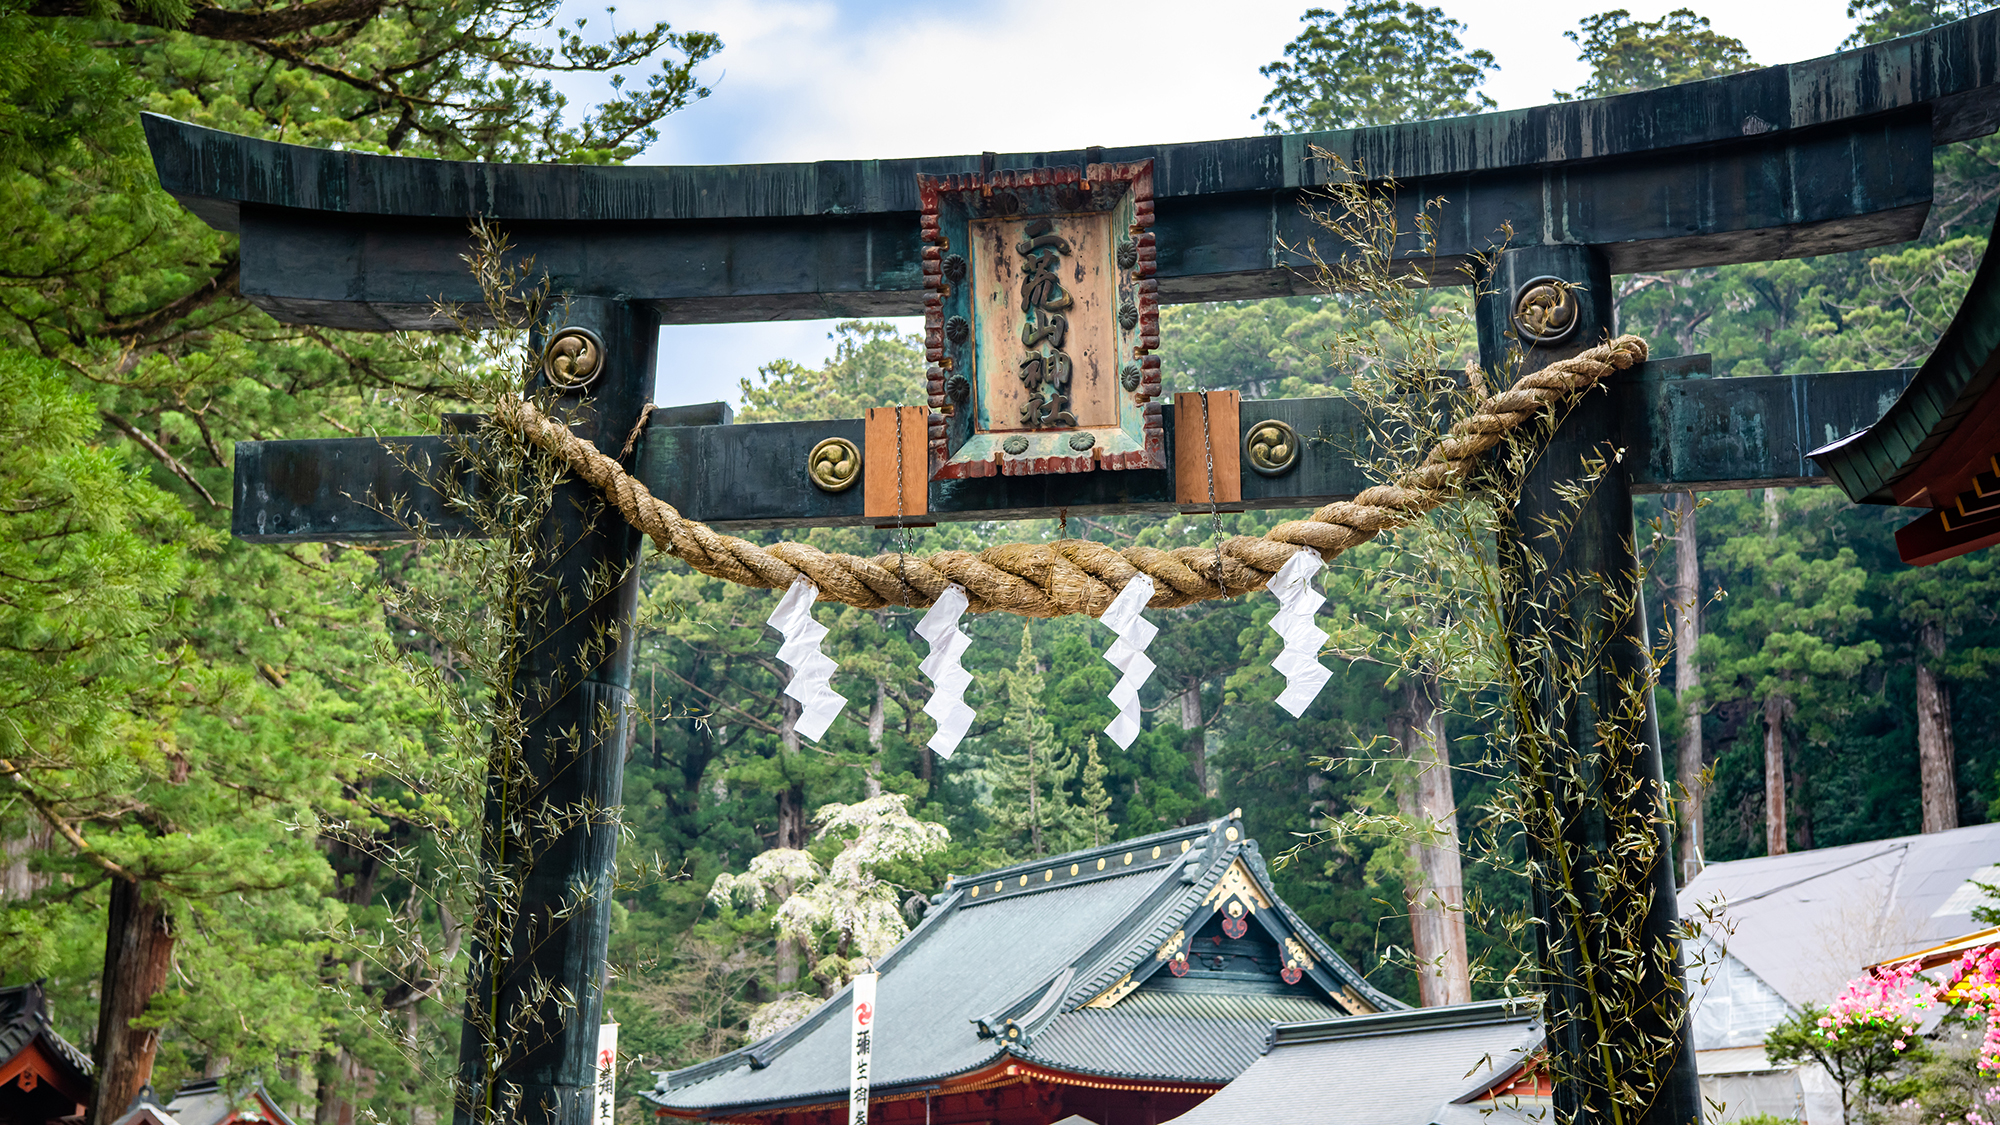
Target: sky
802	80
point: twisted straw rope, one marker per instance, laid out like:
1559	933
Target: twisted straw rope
1075	575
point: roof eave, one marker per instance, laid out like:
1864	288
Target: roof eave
1002	1067
760	1054
1876	465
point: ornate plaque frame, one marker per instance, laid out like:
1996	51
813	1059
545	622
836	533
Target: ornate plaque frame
1041	317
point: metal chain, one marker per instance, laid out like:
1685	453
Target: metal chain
1214	512
902	526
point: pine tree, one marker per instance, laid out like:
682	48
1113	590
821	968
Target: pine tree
1094	805
1376	63
1627	54
1028	767
1785	635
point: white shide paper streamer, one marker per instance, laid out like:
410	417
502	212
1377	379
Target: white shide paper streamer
812	670
1298	600
1128	655
948	643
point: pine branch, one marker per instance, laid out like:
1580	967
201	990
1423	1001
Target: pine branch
165	458
63	827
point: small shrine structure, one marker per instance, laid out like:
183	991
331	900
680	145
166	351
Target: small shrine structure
207	1102
43	1077
1125	983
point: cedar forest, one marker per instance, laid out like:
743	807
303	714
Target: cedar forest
223	741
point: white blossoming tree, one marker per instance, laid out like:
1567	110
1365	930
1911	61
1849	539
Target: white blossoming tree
844	915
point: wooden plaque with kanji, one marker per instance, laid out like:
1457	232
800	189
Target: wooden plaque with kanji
1041	320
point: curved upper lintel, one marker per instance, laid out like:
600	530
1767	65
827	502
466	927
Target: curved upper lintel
1955	69
1938	445
1802	158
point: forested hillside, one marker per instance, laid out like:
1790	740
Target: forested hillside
216	755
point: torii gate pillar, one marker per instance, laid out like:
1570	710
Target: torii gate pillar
573	686
1576	597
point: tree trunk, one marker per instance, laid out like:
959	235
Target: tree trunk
17	882
1195	742
1034	804
878	716
1776	708
335	1107
138	949
791	834
1436	893
871	770
1937	762
1687	677
342	1077
355	870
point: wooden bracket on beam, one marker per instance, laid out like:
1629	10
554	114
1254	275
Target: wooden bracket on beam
1931	540
1197	447
1970	523
889	428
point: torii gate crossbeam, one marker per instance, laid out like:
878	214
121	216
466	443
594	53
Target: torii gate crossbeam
1813	157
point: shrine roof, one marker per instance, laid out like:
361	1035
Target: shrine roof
1938	445
1945	392
24	1019
206	1102
1064	963
1804	923
1413	1067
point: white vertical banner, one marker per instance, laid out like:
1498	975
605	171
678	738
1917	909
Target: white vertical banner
604	1099
864	1049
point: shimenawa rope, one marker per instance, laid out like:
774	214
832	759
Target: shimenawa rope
1077	575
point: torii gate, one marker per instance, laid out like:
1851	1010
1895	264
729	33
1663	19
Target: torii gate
1808	158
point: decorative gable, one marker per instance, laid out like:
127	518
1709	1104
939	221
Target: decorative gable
1237	937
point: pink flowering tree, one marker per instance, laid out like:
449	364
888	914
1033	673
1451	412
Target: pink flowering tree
1870	1039
1866	1040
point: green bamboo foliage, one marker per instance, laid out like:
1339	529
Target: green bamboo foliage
1471	601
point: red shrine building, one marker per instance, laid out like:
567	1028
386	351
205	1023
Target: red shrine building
1124	984
43	1078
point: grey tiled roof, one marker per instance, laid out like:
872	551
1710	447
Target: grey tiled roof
24	1015
1416	1067
1007	962
1204	1037
1806	922
205	1102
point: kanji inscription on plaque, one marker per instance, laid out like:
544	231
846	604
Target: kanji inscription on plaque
1041	320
